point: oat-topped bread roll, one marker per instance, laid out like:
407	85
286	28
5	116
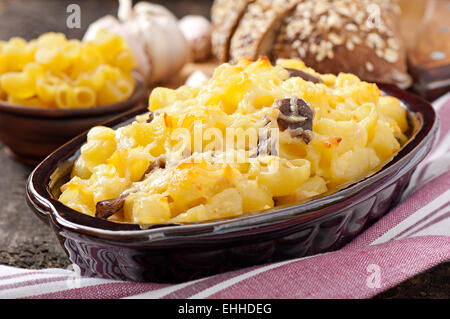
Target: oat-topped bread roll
225	15
331	36
256	32
359	37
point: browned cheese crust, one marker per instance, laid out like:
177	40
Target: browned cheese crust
225	15
359	37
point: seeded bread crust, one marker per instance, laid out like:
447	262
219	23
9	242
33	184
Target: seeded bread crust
256	32
359	37
225	16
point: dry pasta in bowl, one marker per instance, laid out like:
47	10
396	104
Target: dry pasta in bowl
54	72
252	137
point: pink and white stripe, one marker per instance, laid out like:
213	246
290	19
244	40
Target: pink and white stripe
413	237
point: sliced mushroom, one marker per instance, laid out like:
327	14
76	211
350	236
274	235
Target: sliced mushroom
296	115
304	75
151	116
159	162
106	208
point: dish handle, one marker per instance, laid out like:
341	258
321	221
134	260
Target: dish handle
36	203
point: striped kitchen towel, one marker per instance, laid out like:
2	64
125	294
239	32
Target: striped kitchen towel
412	238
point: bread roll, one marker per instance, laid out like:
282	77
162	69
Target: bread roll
257	29
225	15
342	36
331	36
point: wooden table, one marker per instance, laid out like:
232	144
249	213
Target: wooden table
24	240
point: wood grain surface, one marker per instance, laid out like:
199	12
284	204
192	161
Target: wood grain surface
24	240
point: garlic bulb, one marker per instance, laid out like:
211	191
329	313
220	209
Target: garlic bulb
197	31
154	36
165	44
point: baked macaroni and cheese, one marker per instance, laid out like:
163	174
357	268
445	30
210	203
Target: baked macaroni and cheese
252	137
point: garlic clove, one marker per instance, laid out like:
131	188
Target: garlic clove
156	48
125	11
106	22
166	45
132	34
197	78
197	31
153	10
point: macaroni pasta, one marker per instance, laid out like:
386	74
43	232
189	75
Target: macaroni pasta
54	72
175	164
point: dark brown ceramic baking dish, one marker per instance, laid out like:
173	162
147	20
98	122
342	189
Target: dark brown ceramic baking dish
173	253
30	134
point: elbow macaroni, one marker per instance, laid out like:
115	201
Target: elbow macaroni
355	131
54	72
